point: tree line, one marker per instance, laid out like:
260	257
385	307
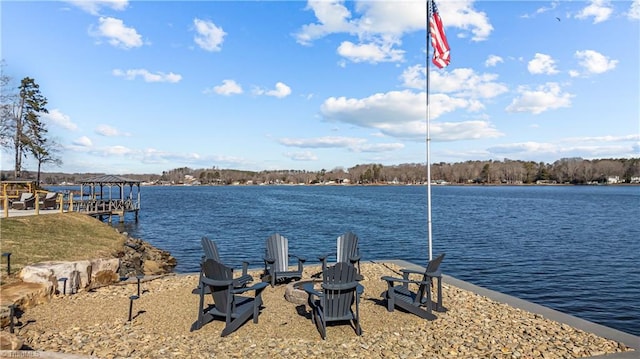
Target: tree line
563	171
509	172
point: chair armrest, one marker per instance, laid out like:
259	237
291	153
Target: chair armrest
300	258
308	287
269	260
402	280
354	258
437	273
257	287
412	271
217	283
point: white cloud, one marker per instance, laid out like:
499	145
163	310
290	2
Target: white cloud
414	77
147	76
466	130
321	142
378	147
462	82
600	10
493	60
281	90
333	17
117	151
228	87
301	156
544	98
626	138
370	52
523	147
462	15
542	64
400	114
109	131
585	147
209	36
353	144
93	6
83	141
542	10
465	82
594	62
379	25
60	119
634	10
117	33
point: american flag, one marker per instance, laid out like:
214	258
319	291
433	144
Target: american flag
439	42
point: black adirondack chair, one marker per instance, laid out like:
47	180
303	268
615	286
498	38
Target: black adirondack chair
276	260
228	304
347	251
211	252
419	302
340	291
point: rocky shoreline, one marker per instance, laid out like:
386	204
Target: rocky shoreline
95	323
141	258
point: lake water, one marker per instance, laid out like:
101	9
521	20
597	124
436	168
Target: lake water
572	248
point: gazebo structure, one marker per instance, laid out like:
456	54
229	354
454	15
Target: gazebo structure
109	195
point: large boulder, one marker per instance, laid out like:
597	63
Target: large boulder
78	274
104	271
25	295
81	274
10	341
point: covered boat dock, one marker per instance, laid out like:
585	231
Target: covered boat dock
108	196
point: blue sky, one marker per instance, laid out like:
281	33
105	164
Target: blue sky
147	86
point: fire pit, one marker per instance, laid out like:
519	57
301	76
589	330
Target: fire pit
295	294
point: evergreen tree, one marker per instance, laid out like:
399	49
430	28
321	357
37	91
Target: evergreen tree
29	130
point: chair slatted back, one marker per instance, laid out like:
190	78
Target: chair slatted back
217	271
339	286
278	249
432	267
210	249
347	246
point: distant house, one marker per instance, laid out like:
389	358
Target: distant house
634	180
613	180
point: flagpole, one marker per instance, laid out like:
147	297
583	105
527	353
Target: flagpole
429	230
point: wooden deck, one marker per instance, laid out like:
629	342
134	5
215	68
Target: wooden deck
97	208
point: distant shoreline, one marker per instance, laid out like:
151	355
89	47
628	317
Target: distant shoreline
372	184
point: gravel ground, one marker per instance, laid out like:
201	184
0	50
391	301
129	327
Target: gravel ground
95	323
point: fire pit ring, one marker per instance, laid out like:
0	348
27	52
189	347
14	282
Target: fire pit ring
295	294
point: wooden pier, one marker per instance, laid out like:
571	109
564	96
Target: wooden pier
100	200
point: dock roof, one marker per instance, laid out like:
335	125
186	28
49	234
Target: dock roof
109	179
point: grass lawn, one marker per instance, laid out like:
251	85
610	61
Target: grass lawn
55	237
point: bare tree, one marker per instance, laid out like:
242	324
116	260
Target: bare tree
8	97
